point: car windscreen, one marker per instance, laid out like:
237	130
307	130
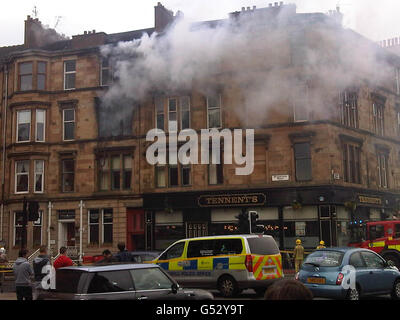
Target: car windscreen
68	280
322	258
263	246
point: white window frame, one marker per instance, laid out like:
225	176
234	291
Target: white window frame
89	224
41	226
15	229
220	112
176	113
108	223
307	101
181	112
44	125
69	72
17	174
69	121
36	173
156	112
18	123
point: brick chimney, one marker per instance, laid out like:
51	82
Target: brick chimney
163	17
36	35
88	39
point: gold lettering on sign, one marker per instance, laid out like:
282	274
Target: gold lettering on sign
370	200
254	199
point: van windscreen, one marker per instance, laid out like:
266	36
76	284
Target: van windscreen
263	246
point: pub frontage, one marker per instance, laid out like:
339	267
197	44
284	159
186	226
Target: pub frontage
310	213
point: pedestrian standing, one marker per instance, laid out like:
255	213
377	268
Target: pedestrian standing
3	264
321	245
38	267
107	258
298	255
123	255
23	273
63	260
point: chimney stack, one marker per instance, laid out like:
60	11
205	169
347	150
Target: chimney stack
163	17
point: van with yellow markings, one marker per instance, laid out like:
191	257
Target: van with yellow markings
227	263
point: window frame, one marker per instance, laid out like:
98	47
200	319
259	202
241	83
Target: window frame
108	172
110	73
89	227
349	108
64	173
36	173
25	74
219	99
68	73
69	121
18	123
15	244
306	103
351	154
44	125
41	73
17	174
107	223
380	169
35	225
298	157
378	116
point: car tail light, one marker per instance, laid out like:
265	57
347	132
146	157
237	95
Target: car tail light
249	263
339	279
296	277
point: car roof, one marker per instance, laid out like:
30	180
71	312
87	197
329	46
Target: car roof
247	236
343	249
112	267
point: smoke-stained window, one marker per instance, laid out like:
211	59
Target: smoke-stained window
23	125
69	74
349	108
378	118
159	102
106	76
185	112
25	76
115	117
351	163
176	108
214	111
301	103
302	155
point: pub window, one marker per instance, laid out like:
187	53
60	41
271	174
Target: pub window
351	163
349	108
214	111
378	118
302	155
39	176
18	229
68	175
382	160
23	125
68	124
22	176
69	74
94	218
37	231
40	125
41	75
25	76
107	218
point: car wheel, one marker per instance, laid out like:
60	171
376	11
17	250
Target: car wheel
396	290
353	294
228	286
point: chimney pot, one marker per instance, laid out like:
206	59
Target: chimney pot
254	7
84	32
94	31
276	4
248	8
281	3
243	8
270	5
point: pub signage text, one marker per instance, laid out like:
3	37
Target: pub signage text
227	200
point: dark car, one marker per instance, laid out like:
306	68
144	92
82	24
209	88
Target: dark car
142	256
325	273
118	282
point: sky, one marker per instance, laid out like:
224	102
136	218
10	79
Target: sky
376	20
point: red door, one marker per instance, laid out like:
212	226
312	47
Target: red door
135	229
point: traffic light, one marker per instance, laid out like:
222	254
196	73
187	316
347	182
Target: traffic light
33	211
243	222
255	228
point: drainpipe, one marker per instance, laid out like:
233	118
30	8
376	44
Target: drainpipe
81	206
4	149
50	206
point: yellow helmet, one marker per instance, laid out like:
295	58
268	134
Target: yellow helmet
322	243
298	241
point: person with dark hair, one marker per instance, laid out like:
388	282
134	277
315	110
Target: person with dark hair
23	273
38	264
288	290
107	258
63	260
123	255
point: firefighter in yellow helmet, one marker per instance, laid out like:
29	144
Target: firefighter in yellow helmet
298	255
321	245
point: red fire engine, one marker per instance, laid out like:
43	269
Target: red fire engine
383	237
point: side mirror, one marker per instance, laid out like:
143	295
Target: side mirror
174	288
